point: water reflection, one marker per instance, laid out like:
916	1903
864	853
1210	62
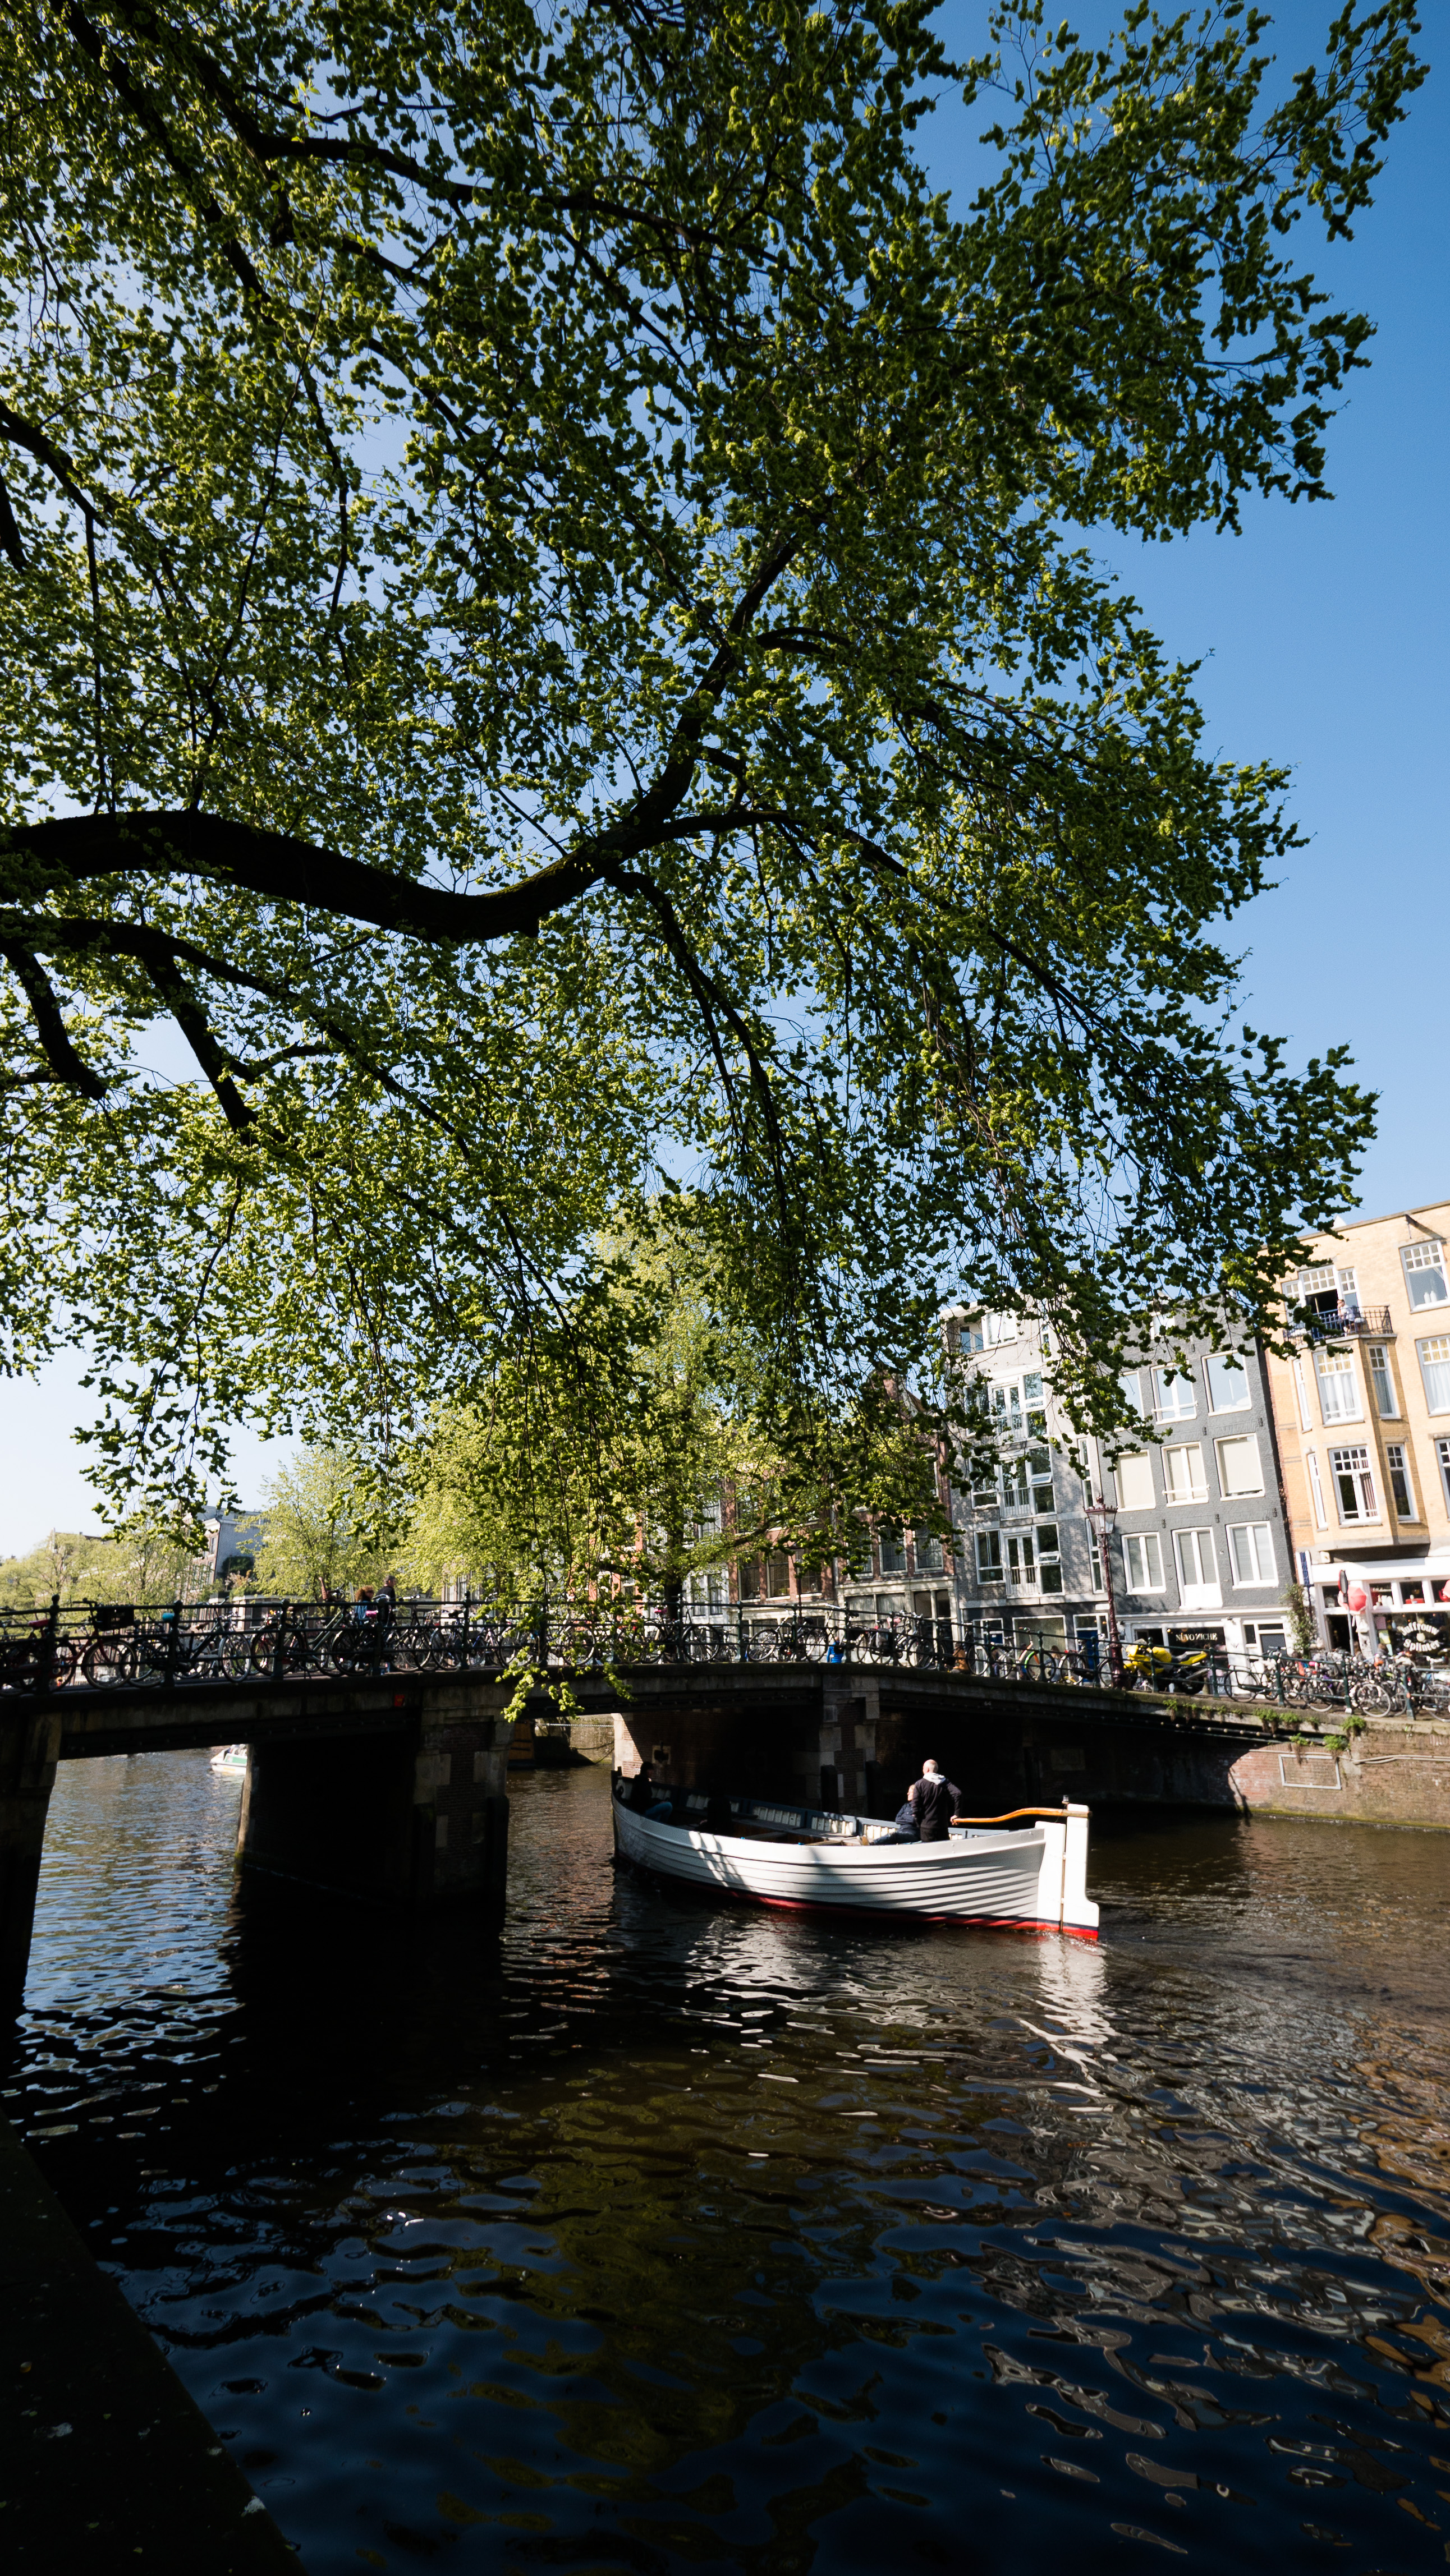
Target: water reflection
660	2234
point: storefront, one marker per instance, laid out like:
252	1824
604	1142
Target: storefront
1372	1608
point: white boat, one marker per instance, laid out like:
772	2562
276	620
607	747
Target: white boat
1026	1871
229	1757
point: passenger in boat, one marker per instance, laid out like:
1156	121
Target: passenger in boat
645	1800
933	1800
907	1828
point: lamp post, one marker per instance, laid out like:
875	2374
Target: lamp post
1104	1518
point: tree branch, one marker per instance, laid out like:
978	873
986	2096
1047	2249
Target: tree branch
66	1066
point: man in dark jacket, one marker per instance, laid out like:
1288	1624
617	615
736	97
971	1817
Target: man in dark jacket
933	1801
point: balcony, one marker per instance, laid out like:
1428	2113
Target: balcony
1339	1323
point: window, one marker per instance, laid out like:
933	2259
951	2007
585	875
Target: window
1353	1484
750	1579
1184	1480
999	1328
893	1554
1135	1484
928	1552
1132	1390
1197	1565
1095	1557
1397	1470
1338	1386
1007	1406
1324	1288
1032	1399
1020	1568
1143	1560
1239	1470
1174	1399
1386	1402
777	1573
1435	1370
1442	1454
1228	1383
989	1556
1425	1274
1251	1551
1316	1489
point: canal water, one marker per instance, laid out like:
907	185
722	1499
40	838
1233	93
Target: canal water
663	2238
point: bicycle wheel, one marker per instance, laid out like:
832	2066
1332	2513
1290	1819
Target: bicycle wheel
106	1662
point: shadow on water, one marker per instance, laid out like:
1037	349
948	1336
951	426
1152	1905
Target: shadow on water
655	2236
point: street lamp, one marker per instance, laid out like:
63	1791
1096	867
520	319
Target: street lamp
1104	1518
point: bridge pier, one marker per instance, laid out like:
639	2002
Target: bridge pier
414	1818
390	1787
29	1752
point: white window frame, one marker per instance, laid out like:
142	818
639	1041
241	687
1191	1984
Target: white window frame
1177	1385
1421	1347
989	1547
1148	1545
1397	1460
1238	1380
1382	1379
1357	1453
1199	1485
1136	1458
997	1329
1336	1368
1246	1440
1260	1538
1442	1458
1316	1490
1419	1261
1195	1593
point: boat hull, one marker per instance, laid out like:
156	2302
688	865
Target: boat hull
1032	1880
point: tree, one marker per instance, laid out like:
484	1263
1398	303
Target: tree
319	1530
648	1438
541	644
600	1454
142	1562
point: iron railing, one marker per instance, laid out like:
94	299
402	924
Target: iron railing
89	1647
1334	1323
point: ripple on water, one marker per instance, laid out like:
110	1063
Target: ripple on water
659	2235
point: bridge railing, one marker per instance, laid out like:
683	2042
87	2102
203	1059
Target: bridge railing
99	1646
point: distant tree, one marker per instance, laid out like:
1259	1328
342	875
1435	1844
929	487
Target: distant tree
143	1561
319	1532
653	1436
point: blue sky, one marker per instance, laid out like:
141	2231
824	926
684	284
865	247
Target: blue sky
1322	635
